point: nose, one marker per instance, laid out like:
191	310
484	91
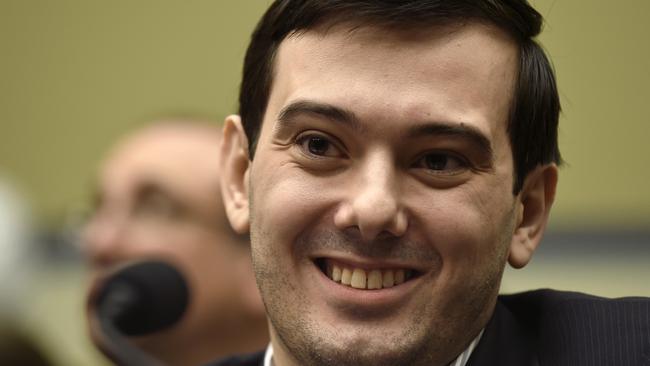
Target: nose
373	205
102	239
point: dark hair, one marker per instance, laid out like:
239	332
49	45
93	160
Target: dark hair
535	108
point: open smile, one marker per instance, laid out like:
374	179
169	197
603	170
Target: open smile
365	277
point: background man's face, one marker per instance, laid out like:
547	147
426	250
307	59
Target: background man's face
158	197
384	153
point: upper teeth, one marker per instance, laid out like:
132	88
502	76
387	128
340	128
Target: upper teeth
366	279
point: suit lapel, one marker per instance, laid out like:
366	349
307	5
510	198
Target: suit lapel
504	342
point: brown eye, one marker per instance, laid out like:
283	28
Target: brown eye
436	161
442	162
317	145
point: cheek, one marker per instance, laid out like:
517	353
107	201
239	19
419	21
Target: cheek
142	242
203	258
173	242
154	232
288	202
469	227
210	271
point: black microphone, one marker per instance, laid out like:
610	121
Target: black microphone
144	297
139	299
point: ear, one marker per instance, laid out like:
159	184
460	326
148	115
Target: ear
533	207
234	176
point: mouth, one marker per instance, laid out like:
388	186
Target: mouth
365	278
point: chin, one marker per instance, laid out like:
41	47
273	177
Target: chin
362	353
356	345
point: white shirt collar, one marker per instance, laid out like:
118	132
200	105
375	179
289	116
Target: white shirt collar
268	355
461	360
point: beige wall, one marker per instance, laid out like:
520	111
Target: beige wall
76	74
601	51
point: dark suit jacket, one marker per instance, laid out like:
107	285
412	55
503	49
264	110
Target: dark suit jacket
553	328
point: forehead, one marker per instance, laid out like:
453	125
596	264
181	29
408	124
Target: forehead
176	158
462	73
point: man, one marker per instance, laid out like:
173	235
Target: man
388	160
158	197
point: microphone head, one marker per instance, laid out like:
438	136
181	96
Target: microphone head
143	298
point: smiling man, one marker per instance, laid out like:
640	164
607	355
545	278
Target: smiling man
390	158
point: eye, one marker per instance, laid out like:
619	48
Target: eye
442	163
156	205
318	145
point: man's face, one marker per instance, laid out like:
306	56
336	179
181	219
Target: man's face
384	161
158	197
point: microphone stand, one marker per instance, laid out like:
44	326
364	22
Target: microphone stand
115	345
120	350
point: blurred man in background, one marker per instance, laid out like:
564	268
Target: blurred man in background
158	198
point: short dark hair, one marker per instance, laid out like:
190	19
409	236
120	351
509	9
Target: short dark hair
535	109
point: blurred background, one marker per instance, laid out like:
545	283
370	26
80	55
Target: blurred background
76	75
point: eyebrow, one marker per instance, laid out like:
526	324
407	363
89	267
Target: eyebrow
456	130
330	112
288	114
